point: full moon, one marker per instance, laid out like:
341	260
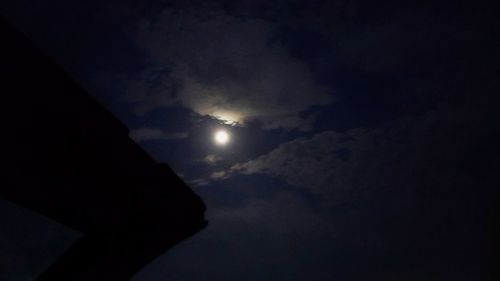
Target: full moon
221	137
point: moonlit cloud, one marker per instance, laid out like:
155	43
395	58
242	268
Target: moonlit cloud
219	175
198	182
227	68
212	159
366	159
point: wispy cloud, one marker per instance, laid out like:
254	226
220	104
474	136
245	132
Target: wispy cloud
198	182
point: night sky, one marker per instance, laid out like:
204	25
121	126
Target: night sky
363	136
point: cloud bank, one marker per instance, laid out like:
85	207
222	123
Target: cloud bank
225	67
414	153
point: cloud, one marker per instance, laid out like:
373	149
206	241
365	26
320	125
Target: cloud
410	153
219	175
266	239
147	134
212	159
198	182
225	67
302	162
286	214
406	190
152	88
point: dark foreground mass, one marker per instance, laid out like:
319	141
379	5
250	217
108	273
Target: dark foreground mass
66	157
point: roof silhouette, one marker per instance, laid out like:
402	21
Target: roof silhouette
66	157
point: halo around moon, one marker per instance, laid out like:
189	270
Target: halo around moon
221	137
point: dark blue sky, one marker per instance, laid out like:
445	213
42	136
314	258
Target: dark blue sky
364	143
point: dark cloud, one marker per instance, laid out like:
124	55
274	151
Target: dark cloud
152	88
227	68
253	241
286	213
146	134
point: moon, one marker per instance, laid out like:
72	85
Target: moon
221	137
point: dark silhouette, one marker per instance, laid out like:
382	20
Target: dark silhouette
66	157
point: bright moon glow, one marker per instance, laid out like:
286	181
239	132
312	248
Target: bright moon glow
228	117
221	137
